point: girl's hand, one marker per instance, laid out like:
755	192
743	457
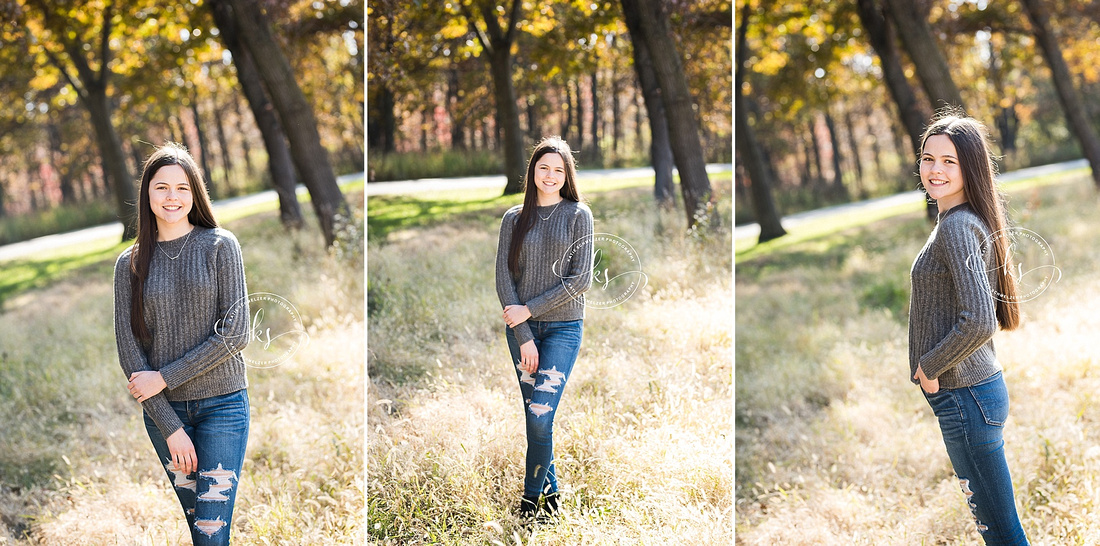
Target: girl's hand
529	357
514	315
145	385
183	451
930	386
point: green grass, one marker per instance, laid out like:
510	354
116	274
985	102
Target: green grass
75	464
643	438
835	446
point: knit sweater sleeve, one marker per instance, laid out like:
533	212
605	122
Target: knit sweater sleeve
960	246
130	354
506	285
575	269
231	333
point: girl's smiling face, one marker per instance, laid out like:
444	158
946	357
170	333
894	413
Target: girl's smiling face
550	177
941	173
170	195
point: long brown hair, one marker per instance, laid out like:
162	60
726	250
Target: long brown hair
970	140
141	255
526	218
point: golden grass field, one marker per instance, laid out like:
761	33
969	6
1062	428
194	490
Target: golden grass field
835	446
643	439
76	466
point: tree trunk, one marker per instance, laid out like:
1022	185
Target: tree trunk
932	68
508	119
580	115
850	128
279	163
425	124
568	122
616	114
1063	82
597	153
246	149
311	158
818	167
683	128
497	41
223	145
880	31
68	191
204	162
660	149
837	188
114	160
760	185
533	131
458	120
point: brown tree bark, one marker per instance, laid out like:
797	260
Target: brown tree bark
296	115
660	150
683	127
223	145
204	161
850	129
931	66
1076	114
579	126
837	188
596	155
880	32
458	119
760	187
497	43
279	163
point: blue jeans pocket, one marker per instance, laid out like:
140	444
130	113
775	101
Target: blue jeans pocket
991	397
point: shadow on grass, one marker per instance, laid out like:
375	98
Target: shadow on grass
26	274
389	213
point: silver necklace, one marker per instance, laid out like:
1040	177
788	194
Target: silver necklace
551	212
180	253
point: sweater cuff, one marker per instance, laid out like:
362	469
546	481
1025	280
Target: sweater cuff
523	333
160	410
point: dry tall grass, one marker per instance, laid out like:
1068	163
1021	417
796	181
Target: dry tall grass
76	466
835	446
643	437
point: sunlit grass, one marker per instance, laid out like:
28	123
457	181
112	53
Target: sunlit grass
643	440
76	466
835	446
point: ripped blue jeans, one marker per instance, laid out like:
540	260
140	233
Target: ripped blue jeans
218	427
972	422
558	344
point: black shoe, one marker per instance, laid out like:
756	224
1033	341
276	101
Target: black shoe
528	508
550	508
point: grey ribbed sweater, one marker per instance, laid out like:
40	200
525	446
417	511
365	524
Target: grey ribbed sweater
952	317
555	264
183	301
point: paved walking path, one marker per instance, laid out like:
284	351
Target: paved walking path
424	185
915	196
114	229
